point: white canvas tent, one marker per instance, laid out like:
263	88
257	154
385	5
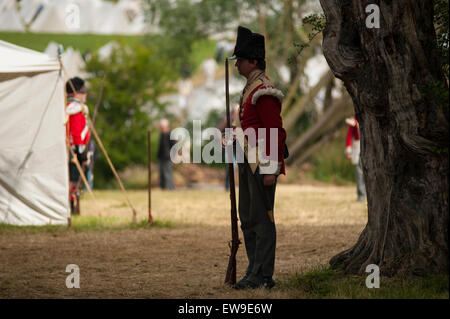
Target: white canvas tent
52	19
9	17
72	59
31	8
85	16
34	182
113	20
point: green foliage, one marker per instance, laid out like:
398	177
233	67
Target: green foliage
302	124
212	120
324	282
436	93
442	30
135	79
87	223
201	50
185	22
316	22
330	164
189	20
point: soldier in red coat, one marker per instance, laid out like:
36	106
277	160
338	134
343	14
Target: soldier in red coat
260	108
77	130
352	150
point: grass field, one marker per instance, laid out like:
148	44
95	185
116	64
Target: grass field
80	42
186	253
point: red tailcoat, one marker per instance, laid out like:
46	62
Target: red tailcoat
262	109
352	131
77	126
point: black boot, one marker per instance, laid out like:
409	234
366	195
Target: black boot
248	283
241	284
268	282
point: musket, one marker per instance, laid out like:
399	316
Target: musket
230	277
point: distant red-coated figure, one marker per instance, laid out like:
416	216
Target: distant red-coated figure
77	131
352	151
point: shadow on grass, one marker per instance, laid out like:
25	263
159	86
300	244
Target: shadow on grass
324	282
88	223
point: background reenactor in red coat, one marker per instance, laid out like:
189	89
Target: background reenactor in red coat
352	150
77	131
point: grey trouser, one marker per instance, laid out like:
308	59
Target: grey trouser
359	177
257	227
166	174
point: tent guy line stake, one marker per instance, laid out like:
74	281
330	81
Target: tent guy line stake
149	160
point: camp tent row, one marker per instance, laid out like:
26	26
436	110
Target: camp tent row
34	182
74	16
9	17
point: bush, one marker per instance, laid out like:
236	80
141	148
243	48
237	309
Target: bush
331	165
135	79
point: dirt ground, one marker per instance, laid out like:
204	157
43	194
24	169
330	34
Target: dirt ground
188	260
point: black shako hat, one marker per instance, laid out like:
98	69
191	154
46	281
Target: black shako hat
77	83
249	45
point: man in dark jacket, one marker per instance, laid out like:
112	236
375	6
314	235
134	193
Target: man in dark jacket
165	164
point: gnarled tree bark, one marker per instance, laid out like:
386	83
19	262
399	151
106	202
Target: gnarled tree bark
404	132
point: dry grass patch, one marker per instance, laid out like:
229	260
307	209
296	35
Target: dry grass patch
294	205
187	260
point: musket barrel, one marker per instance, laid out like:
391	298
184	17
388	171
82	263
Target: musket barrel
231	270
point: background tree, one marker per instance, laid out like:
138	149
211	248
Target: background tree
395	77
135	79
184	22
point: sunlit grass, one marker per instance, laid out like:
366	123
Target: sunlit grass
294	205
324	282
89	223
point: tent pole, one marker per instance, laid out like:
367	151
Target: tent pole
89	144
67	125
149	156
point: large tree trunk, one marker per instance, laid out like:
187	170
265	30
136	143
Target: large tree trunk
404	132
